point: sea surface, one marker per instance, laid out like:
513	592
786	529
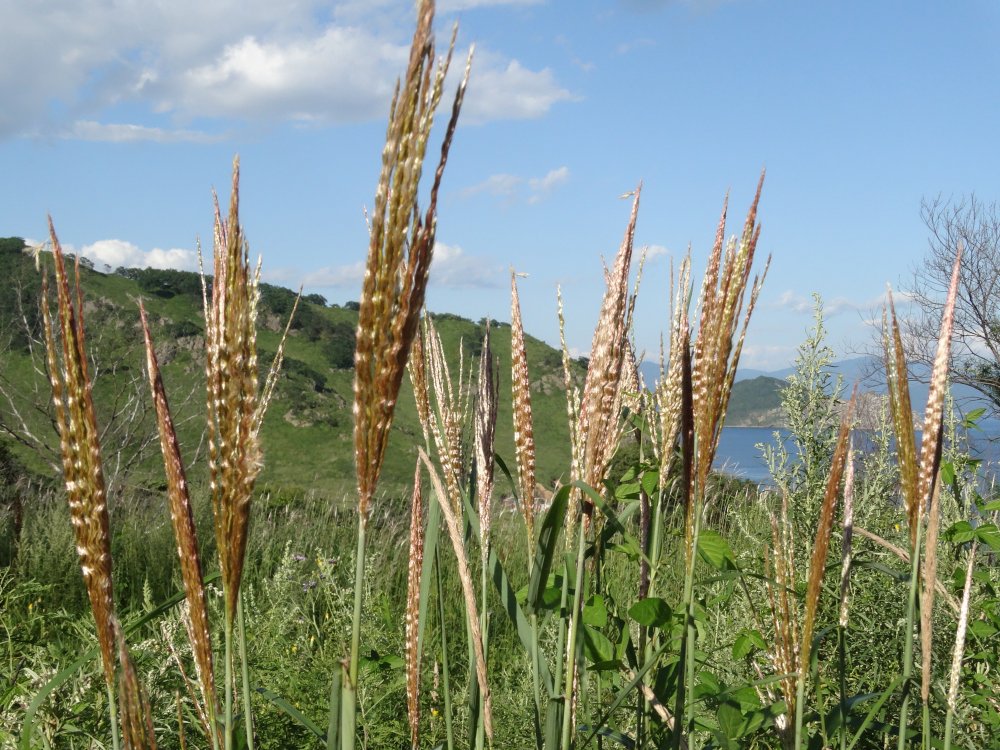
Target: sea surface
740	453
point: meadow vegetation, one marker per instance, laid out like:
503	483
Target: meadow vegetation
644	603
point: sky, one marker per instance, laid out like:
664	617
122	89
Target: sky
119	118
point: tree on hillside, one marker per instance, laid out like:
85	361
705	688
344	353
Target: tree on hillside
976	342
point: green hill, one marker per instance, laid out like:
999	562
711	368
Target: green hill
756	403
307	434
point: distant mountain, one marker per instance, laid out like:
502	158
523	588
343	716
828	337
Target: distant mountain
756	395
756	403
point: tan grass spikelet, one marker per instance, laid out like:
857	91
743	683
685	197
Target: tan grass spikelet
576	441
821	545
848	537
902	417
524	433
599	421
136	716
182	518
668	388
399	253
453	524
449	408
413	608
484	426
231	374
717	347
780	576
417	368
960	632
80	450
928	489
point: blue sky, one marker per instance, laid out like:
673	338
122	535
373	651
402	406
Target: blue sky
119	119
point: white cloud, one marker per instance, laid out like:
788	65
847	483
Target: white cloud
499	185
510	187
452	268
499	91
119	253
765	356
798	303
339	276
89	130
655	251
250	60
542	186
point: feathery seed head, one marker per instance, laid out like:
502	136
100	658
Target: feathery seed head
399	253
524	434
80	448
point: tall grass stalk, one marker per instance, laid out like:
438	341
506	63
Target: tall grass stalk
919	485
704	399
399	257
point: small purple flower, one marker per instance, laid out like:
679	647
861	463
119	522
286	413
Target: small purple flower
298	558
308	585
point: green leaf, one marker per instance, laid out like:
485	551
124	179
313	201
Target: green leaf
715	550
972	418
596	646
650	481
595	612
947	472
293	713
651	612
730	720
990	535
747	641
959	533
545	551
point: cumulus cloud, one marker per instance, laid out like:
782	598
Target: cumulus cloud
655	251
119	253
71	61
499	91
511	187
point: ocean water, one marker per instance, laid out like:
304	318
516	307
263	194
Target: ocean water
739	453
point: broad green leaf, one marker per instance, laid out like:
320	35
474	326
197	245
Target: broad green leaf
990	535
959	533
730	720
596	647
747	641
651	612
595	612
715	550
545	551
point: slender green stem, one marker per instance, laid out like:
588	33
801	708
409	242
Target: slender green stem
445	680
535	682
484	628
572	646
911	608
245	669
113	711
842	656
228	736
349	702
